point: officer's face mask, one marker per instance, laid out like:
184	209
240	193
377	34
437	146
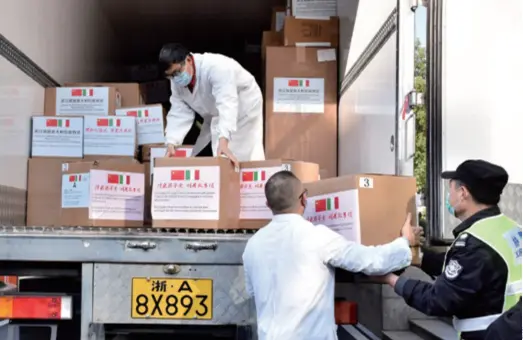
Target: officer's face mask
450	208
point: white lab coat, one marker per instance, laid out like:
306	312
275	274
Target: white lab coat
289	270
230	102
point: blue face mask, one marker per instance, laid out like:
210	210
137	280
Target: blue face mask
450	208
183	79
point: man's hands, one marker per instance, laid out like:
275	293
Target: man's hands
223	149
171	150
412	233
389	279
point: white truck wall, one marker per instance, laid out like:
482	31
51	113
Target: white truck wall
482	86
70	40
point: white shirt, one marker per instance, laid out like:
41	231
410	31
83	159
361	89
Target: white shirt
289	270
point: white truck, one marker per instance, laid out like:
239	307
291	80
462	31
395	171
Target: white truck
77	281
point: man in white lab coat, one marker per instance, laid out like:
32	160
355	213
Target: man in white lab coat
289	265
223	93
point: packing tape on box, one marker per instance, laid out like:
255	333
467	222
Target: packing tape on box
301	54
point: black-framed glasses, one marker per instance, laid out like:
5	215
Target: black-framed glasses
304	193
177	72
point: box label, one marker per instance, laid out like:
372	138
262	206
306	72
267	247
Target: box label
299	95
109	136
82	101
314	8
149	123
252	192
57	137
186	193
75	190
338	211
116	195
160	152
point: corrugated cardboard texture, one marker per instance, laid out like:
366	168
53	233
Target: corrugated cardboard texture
309	31
50	101
229	194
383	208
308	137
80	216
270	38
44	191
130	92
306	172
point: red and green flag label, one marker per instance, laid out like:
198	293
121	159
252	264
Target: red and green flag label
108	122
253	176
185	175
57	123
327	204
82	92
75	178
298	83
138	113
118	179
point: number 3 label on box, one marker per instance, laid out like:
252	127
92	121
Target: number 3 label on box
366	182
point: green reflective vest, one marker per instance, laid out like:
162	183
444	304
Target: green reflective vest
503	235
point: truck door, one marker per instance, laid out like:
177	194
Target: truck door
475	72
376	74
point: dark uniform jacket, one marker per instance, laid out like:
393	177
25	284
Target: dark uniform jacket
474	286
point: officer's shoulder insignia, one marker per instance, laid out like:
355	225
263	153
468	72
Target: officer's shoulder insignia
463	236
453	269
461	241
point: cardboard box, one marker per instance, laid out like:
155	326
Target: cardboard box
311	32
67	101
44	191
278	18
314	8
130	92
103	194
109	136
366	209
199	193
301	107
183	151
270	38
57	137
149	122
254	212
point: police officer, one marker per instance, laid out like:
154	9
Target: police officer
481	277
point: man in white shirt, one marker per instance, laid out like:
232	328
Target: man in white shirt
289	265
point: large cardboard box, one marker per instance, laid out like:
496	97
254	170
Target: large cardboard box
44	191
366	209
130	92
149	122
301	107
254	212
57	137
105	193
155	152
314	8
67	101
278	18
199	193
110	136
311	32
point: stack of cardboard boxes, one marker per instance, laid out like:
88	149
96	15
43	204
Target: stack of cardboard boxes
301	84
83	169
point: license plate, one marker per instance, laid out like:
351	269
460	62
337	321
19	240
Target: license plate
162	298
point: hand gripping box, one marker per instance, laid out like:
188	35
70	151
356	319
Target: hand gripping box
366	209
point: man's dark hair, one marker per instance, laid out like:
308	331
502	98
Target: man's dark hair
172	53
282	191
